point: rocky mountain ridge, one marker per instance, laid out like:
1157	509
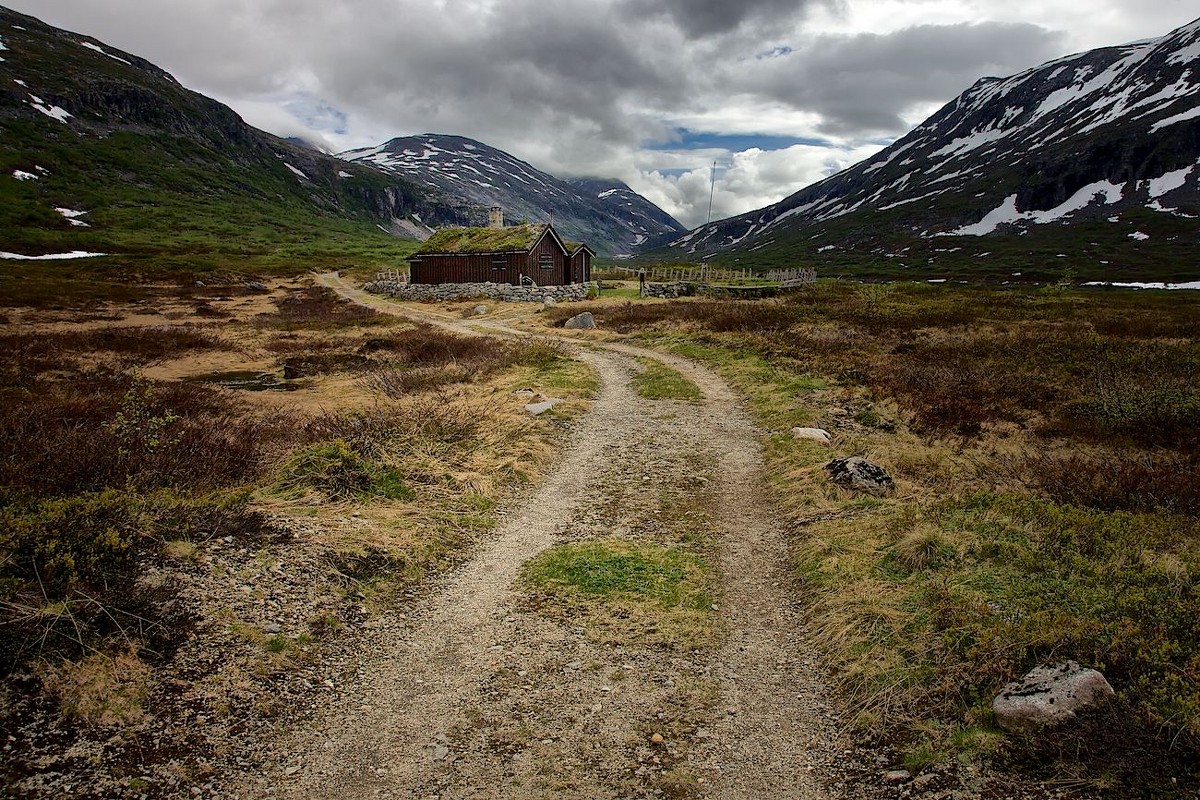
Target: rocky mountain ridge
607	214
1090	160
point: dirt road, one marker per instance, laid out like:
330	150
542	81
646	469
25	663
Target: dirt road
473	693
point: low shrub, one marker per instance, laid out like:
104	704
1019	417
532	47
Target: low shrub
102	430
320	308
427	358
24	357
1118	481
69	568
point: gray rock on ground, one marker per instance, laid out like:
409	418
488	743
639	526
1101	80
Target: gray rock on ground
1049	695
549	302
537	409
581	322
860	475
479	310
819	435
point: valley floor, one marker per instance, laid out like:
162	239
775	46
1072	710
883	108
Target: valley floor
496	666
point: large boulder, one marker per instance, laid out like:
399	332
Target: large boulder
581	322
860	475
1049	695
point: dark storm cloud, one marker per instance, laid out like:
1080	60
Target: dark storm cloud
864	83
701	18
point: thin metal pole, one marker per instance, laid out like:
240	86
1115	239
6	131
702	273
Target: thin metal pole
712	188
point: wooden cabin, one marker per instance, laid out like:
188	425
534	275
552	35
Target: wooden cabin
520	254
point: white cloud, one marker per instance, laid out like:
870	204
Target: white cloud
746	180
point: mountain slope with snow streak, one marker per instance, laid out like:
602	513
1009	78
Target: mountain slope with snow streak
608	215
105	152
1092	160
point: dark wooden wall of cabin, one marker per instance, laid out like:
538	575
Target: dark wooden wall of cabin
581	268
555	273
468	268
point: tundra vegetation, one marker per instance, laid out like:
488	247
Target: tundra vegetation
1046	448
115	474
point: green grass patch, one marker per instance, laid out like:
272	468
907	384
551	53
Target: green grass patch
339	473
625	591
622	292
660	382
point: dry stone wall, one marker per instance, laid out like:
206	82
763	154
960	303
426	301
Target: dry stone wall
504	292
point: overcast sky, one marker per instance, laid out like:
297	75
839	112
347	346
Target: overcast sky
780	93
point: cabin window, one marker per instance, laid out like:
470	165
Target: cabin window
499	263
546	261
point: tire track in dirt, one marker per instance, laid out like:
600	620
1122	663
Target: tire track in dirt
474	695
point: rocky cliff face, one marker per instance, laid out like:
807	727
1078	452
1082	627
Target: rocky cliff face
1091	160
606	214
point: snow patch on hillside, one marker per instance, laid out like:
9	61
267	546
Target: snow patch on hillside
102	52
1182	117
1158	187
1007	212
54	112
971	141
73	217
1189	285
51	256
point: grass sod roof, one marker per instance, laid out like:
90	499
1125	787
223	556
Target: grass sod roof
482	240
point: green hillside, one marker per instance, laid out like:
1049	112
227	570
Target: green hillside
171	181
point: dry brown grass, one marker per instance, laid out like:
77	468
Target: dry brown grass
101	689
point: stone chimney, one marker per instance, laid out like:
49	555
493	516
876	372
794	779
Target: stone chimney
496	217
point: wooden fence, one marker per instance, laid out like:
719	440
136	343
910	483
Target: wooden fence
717	276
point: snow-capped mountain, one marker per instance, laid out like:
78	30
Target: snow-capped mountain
1092	160
608	215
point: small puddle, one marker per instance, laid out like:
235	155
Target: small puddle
247	381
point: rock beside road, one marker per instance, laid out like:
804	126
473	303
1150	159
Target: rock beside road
860	475
818	435
582	322
1050	695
